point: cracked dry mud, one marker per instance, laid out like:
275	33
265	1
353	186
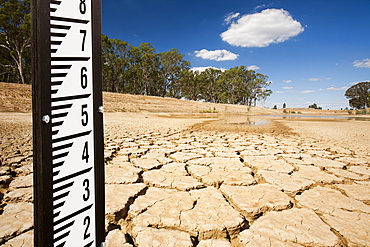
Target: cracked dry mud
168	184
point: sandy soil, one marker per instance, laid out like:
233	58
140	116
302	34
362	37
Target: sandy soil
182	173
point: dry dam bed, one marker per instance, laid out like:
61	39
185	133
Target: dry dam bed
170	185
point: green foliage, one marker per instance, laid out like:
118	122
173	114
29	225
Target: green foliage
359	95
275	107
214	110
362	112
15	41
314	106
284	106
285	111
140	70
239	85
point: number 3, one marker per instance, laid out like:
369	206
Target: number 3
86	185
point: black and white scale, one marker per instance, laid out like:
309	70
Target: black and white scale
68	123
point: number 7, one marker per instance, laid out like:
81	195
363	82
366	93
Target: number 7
83	39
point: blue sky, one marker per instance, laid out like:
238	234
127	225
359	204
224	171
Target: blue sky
311	50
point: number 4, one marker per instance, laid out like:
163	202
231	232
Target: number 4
85	153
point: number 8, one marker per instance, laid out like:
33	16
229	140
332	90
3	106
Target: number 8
82	6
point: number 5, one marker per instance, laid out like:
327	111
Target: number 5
84	114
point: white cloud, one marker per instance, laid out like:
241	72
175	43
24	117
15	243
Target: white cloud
201	69
336	88
228	19
364	63
287	88
262	29
279	92
314	79
253	67
307	91
287	81
217	55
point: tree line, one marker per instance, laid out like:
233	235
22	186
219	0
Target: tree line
130	69
141	70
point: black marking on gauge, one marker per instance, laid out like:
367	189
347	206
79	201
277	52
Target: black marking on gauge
60	107
55	42
56	124
65	146
66	19
58	35
63	187
61	204
58	197
70	137
61	237
67	66
58	164
54	91
59	115
73	97
61	245
89	244
62	228
74	214
72	59
56	83
59	75
73	175
62	155
55	116
55	198
63	27
57	2
53	9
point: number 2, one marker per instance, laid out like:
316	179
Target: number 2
87	223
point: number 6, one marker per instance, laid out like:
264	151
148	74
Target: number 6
83	77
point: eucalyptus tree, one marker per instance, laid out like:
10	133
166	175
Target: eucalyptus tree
359	95
172	63
15	37
242	86
210	83
191	85
115	63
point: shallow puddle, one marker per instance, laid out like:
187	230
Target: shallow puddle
324	116
253	123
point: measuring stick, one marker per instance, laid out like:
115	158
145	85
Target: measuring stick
68	123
